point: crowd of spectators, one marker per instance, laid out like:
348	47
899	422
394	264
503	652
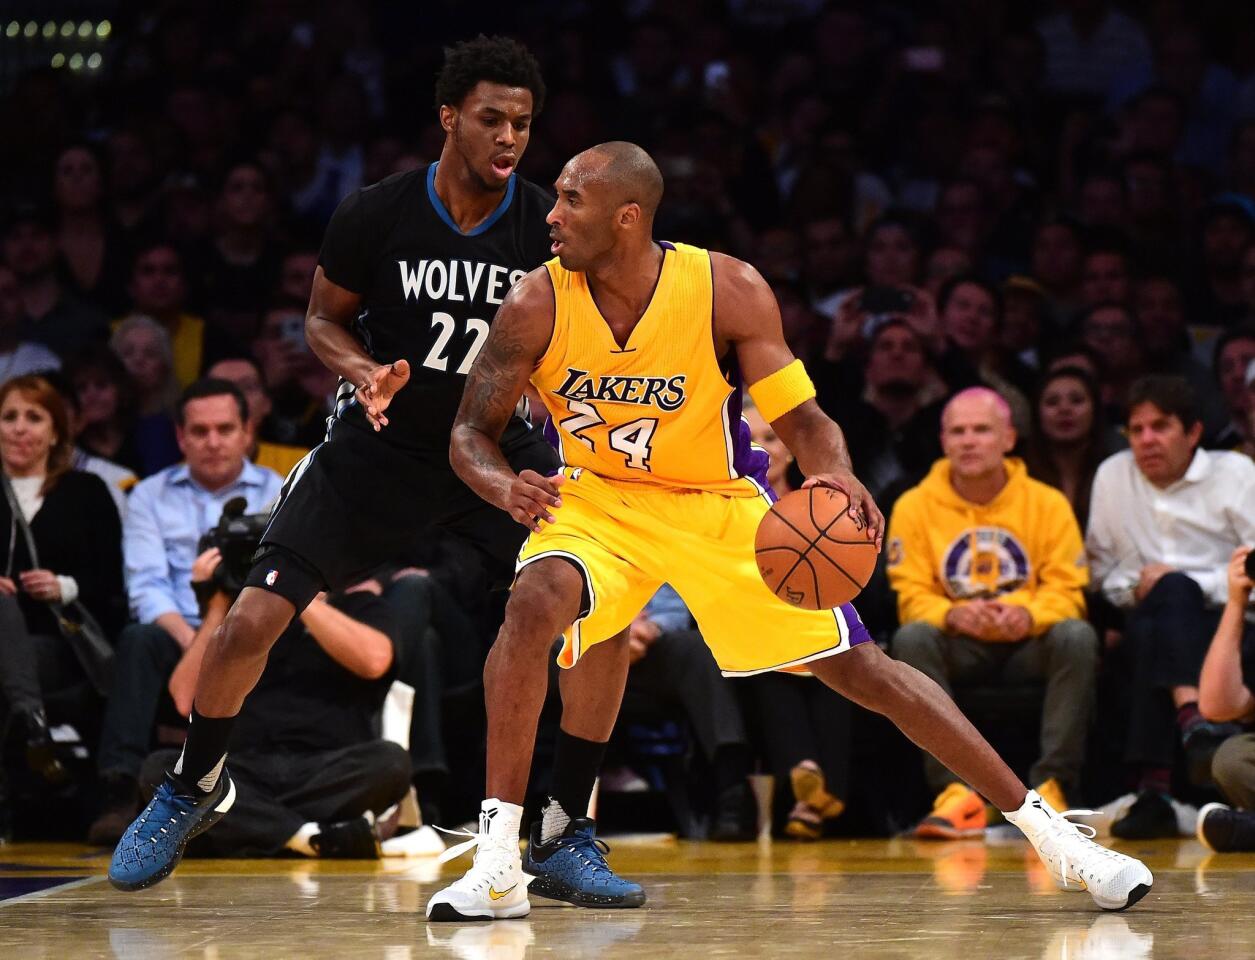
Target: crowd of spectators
1009	239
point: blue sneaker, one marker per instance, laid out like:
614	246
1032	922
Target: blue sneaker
153	845
573	868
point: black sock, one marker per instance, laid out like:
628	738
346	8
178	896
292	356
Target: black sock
575	765
204	752
732	765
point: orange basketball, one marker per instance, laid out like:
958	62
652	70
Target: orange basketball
812	551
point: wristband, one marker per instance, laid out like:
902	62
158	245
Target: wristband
786	389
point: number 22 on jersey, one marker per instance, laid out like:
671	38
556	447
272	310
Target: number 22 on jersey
437	358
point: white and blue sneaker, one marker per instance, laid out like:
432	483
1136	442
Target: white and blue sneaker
572	867
153	844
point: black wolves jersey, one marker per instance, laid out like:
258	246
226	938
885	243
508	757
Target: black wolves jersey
429	291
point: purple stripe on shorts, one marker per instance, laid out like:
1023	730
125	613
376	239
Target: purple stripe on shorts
858	632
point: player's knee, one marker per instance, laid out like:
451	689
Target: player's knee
866	675
545	601
252	627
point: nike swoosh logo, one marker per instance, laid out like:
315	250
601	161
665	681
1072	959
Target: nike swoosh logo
494	895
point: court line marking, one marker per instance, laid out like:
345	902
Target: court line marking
40	894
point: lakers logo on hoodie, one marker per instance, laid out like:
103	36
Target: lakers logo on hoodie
984	562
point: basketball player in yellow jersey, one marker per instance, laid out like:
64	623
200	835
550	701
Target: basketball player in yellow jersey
633	346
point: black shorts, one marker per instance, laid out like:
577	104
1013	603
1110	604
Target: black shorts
356	503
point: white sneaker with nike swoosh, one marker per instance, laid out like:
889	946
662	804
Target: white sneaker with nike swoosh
495	887
1114	880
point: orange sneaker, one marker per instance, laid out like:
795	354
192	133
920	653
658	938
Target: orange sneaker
804	823
958	812
809	787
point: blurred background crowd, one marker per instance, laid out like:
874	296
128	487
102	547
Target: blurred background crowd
1053	200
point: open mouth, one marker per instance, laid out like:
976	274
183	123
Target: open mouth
503	165
555	246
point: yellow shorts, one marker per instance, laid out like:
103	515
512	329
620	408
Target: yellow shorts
627	540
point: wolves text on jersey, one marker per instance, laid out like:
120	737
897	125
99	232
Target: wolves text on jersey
666	393
457	280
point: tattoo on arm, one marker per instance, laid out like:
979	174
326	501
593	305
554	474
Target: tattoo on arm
492	391
496	381
493	387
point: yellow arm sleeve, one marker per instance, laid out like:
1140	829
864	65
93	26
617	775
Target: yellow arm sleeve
778	393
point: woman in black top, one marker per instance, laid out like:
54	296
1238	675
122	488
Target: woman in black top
1070	437
78	538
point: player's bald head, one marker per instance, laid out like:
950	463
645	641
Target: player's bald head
627	170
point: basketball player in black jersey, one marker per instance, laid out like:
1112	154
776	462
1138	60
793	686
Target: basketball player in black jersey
411	272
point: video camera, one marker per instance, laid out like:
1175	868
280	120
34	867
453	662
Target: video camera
236	536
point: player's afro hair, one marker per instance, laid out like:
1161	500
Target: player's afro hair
495	59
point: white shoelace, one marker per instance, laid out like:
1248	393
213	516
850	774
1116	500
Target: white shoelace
452	853
477	842
1062	830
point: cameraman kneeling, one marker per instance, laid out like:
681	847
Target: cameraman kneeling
310	771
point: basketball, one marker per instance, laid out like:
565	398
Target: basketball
812	552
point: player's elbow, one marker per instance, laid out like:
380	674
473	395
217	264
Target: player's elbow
459	439
466	437
315	323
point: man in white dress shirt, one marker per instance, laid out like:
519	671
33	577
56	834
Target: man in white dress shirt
1164	520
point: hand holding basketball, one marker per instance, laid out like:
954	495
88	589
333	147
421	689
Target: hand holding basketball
814	550
861	502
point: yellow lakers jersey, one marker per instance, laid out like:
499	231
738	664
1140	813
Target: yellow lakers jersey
659	410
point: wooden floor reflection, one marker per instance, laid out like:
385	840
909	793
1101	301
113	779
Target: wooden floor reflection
856	899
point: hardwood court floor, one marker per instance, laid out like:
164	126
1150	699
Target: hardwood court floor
841	899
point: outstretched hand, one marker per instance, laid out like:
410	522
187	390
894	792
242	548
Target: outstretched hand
532	496
862	505
380	386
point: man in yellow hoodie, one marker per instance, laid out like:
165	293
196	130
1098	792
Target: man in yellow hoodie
989	565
